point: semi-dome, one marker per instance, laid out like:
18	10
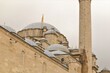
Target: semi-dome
40	25
8	28
56	47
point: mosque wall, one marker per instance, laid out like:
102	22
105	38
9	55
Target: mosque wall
75	67
18	57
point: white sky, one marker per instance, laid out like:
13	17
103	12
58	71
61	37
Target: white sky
64	15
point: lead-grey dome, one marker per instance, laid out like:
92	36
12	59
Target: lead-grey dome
56	47
8	28
40	25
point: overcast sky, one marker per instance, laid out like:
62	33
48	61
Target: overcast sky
64	15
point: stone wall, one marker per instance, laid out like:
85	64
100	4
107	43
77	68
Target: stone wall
52	38
18	57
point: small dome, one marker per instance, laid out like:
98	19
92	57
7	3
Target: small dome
8	28
105	70
49	32
56	47
40	25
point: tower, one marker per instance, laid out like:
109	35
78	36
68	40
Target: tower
42	19
85	44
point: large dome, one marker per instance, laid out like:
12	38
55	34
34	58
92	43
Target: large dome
40	25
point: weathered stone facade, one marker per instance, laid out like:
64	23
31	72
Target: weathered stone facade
19	56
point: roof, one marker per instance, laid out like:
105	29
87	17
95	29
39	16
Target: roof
40	25
56	47
8	28
48	53
30	42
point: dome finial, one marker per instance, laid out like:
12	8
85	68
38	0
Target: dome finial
42	18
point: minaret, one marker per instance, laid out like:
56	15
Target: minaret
42	20
85	43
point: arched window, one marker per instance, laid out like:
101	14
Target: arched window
62	60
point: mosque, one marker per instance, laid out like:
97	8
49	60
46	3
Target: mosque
41	48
